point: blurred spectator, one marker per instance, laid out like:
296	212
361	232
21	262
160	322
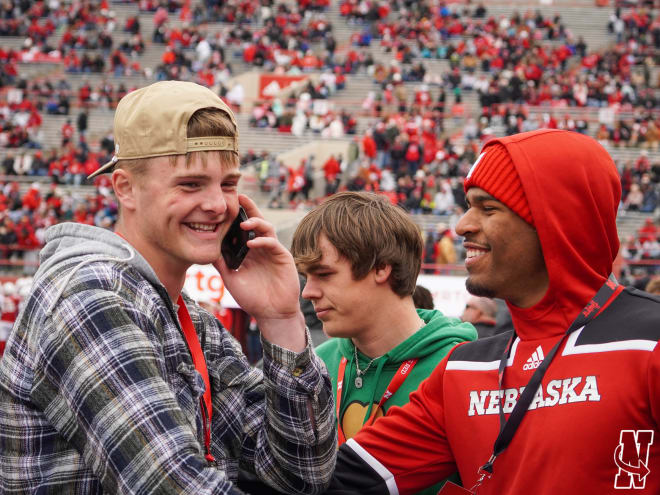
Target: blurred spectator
648	232
653	287
481	312
506	61
423	298
66	132
446	250
332	174
635	198
81	122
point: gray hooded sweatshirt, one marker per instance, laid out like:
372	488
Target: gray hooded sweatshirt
99	394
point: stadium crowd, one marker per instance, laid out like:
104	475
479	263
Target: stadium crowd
527	70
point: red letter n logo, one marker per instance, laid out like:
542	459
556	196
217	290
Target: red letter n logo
631	456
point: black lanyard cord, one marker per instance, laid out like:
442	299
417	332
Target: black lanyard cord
508	427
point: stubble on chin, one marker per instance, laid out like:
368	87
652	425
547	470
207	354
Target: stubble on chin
478	290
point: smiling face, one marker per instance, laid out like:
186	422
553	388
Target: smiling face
341	302
184	211
504	257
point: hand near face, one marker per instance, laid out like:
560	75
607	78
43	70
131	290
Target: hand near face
266	285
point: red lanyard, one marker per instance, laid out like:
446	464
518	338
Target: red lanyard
340	386
200	364
396	382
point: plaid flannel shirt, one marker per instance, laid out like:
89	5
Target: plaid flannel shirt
98	394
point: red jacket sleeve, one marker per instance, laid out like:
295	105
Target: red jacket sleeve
404	451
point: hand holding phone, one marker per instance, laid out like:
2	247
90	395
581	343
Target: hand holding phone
234	245
267	287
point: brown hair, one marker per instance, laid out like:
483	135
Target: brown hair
423	298
367	230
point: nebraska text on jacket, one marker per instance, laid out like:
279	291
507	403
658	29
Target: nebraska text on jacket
556	392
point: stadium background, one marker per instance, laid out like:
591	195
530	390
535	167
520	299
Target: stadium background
395	97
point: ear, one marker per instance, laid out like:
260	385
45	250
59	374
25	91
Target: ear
124	183
382	273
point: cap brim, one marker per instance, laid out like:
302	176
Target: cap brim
103	169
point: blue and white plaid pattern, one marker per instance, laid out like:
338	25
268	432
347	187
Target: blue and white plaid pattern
100	395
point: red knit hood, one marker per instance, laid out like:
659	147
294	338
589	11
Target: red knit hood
573	190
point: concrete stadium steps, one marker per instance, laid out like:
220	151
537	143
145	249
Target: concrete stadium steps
99	124
340	29
122	12
95	79
286	220
271	140
153	52
581	19
15	42
622	154
631	154
590	22
359	85
151	57
589	114
41	70
428	223
357	88
24	183
580	16
264	139
629	222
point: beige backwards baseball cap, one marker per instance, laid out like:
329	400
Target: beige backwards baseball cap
152	121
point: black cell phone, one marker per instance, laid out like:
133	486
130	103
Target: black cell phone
234	245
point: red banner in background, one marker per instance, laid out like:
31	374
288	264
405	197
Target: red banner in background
271	84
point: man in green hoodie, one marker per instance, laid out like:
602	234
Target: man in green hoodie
361	256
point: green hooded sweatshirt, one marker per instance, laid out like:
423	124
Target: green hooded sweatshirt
429	345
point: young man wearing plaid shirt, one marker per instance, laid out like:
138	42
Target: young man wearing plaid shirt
114	381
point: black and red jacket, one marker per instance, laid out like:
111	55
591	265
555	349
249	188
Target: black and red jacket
593	424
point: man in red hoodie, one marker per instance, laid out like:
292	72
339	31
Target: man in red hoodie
570	401
331	171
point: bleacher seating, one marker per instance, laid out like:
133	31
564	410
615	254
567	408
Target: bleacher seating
581	18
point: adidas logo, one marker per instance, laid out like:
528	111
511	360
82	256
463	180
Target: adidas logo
534	360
